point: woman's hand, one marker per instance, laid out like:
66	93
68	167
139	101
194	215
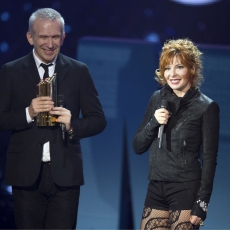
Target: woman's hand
64	116
196	220
162	116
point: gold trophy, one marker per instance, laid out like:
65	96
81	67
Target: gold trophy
47	87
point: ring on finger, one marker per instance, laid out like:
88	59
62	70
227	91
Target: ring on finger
201	223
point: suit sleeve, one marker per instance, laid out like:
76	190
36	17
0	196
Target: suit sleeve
93	119
10	119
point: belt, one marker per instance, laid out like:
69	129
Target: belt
46	162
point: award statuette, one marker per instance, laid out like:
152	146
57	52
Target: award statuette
47	87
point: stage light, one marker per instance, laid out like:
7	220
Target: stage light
9	189
4	46
27	6
148	12
5	16
152	37
68	28
196	2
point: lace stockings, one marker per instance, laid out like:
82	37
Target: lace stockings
166	220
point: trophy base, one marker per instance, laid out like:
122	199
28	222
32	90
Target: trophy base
45	119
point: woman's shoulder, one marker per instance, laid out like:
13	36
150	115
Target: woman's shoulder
155	96
206	102
205	99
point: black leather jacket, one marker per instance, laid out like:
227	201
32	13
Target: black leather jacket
190	140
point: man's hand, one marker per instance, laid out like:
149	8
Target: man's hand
40	104
64	116
162	116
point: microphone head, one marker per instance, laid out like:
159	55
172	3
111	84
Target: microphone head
60	100
164	104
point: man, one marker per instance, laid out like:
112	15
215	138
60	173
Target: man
44	170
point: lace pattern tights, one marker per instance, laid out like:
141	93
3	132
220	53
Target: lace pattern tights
166	220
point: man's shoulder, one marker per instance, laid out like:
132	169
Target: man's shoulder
71	61
19	61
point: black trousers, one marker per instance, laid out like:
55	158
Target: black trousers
45	205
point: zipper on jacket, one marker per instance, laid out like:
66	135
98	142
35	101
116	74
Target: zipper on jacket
184	156
180	124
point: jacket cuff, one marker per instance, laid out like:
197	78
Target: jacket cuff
198	211
151	126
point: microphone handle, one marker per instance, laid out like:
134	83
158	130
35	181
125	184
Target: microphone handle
160	135
164	104
61	103
62	128
63	131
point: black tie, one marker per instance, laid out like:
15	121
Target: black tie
46	68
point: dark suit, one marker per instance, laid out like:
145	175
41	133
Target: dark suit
18	86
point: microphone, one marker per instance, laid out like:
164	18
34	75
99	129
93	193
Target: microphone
61	103
164	104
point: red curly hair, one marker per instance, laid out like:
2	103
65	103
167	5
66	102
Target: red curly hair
189	55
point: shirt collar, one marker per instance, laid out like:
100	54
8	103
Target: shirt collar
38	62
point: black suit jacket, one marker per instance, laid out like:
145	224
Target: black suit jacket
18	86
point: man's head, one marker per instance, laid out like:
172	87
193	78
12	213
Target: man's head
46	33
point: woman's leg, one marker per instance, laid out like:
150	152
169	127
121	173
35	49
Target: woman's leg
155	219
180	220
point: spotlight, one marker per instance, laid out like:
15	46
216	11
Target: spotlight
196	2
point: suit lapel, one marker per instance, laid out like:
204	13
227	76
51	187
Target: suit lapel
61	68
31	71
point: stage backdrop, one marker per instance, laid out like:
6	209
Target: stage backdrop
123	72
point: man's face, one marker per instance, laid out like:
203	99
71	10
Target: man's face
47	38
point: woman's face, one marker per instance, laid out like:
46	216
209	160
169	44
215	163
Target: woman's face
177	77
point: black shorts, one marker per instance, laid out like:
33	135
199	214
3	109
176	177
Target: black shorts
171	196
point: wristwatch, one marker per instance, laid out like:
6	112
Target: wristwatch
70	133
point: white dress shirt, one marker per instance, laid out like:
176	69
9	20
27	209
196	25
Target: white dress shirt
46	146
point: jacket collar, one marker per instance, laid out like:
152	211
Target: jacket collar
31	71
61	67
176	102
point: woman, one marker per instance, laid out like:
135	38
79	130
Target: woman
181	129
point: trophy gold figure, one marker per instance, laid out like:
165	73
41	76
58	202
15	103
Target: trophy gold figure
47	87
